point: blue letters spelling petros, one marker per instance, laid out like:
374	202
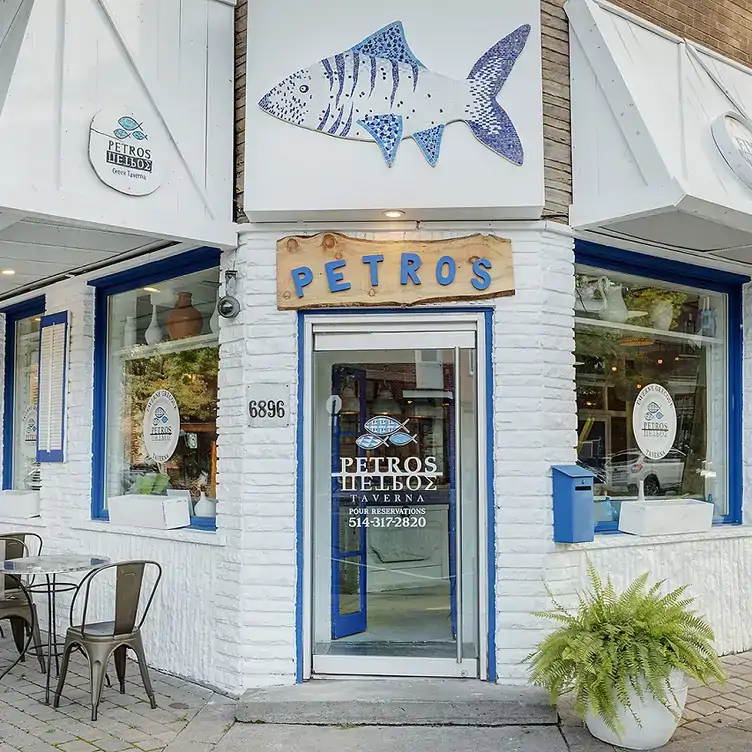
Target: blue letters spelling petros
378	90
410	271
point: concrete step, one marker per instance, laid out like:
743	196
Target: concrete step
393	702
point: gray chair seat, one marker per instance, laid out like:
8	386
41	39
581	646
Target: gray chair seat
16	605
102	640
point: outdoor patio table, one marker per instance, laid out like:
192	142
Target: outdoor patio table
50	566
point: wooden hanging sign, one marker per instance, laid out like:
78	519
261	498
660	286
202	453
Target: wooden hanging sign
330	269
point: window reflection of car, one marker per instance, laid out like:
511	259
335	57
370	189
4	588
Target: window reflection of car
624	471
599	474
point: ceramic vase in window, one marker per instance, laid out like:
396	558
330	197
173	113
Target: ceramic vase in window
184	320
662	315
615	309
153	334
205	507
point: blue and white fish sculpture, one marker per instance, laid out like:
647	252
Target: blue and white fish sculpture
378	90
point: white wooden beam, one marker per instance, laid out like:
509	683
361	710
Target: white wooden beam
9	217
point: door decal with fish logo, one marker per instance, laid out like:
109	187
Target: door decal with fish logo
383	430
378	90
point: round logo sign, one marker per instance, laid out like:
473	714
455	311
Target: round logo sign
126	150
161	426
733	137
29	429
654	421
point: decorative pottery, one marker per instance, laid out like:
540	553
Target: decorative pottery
615	309
205	507
153	334
129	337
184	320
214	320
662	315
656	723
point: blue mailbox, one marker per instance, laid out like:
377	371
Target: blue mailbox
573	504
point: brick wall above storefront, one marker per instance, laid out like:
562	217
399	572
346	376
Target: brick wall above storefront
557	151
241	28
722	25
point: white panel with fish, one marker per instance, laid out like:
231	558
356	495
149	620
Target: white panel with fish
394	106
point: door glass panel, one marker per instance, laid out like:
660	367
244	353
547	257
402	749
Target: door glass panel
395	503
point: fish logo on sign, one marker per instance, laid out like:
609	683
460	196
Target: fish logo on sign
129	127
653	412
383	430
379	91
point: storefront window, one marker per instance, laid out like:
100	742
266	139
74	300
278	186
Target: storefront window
652	390
162	366
21	468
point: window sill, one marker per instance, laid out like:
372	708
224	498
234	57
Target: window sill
625	540
6	519
206	537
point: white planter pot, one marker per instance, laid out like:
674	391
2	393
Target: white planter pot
140	510
665	516
21	504
658	723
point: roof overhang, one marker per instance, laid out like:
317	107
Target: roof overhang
658	136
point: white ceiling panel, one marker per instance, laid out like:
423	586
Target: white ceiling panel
38	250
71	236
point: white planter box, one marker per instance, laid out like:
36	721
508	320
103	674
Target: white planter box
665	517
139	510
21	504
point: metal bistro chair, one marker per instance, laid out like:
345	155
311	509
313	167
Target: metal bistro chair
16	603
101	640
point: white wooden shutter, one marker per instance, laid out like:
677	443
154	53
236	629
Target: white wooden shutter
53	356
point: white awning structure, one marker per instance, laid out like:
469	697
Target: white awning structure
73	76
662	138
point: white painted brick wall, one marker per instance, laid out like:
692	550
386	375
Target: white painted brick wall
533	371
259	464
225	614
194	626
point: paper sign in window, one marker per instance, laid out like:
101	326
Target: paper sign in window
53	353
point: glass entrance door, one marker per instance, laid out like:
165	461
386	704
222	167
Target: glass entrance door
395	513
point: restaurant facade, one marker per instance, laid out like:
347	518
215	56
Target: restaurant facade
365	429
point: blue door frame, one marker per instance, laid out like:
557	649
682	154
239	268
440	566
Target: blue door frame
344	625
485	362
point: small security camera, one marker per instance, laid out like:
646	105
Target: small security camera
228	307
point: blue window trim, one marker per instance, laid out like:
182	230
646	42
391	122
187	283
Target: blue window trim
13	314
490	443
691	275
131	279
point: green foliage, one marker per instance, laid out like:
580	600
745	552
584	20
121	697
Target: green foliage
190	375
643	298
611	641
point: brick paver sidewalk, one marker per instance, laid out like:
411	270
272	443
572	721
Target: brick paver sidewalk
125	722
709	708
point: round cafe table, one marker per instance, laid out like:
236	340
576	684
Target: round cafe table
49	566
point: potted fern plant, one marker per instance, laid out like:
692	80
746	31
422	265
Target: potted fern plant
626	657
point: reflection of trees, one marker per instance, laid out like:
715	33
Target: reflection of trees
191	377
601	349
